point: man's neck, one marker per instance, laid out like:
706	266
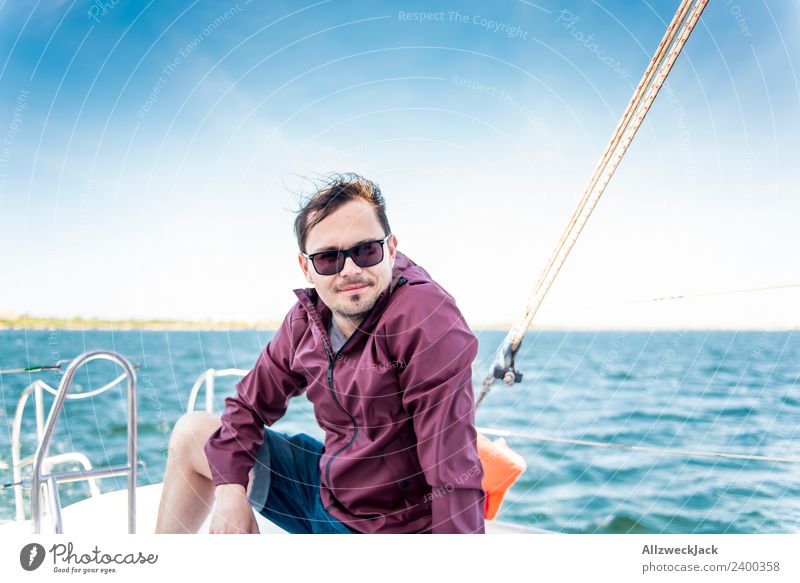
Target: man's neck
346	325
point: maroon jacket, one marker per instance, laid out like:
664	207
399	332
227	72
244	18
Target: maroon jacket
396	404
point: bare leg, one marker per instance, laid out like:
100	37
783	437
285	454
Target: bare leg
188	493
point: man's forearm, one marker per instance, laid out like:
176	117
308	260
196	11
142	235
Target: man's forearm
229	489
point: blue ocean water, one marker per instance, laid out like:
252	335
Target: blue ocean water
734	392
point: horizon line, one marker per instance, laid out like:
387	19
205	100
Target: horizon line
80	323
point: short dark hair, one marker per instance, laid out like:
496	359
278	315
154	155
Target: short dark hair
330	194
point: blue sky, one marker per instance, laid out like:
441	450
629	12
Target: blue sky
151	154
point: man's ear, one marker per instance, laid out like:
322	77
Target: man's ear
392	242
304	267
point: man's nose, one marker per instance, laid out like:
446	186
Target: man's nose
350	267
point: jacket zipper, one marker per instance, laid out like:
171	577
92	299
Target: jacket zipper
331	362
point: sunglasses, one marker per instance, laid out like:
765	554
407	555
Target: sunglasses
364	255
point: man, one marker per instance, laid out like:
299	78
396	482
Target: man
385	356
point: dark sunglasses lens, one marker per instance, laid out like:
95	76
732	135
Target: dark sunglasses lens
368	254
328	263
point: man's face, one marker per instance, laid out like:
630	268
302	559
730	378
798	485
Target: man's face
352	223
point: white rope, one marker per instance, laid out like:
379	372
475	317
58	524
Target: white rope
679	452
632	119
688	296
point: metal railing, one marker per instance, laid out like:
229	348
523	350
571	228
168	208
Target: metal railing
207	378
44	482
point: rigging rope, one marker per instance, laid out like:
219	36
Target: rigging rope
56	366
643	97
680	452
690	296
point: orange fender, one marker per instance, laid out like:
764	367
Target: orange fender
501	468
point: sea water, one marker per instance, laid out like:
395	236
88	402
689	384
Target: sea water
698	391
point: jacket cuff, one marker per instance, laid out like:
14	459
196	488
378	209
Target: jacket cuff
459	511
222	470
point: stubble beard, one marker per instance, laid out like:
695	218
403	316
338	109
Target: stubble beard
355	308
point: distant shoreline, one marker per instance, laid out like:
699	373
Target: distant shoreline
80	324
86	324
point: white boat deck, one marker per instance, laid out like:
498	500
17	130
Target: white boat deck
108	513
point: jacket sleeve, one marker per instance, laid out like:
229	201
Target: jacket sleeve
262	397
435	349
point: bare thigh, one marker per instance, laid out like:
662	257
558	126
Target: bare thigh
189	438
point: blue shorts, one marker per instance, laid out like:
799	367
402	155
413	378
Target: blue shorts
285	483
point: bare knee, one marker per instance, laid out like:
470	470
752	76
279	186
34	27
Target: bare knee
188	439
